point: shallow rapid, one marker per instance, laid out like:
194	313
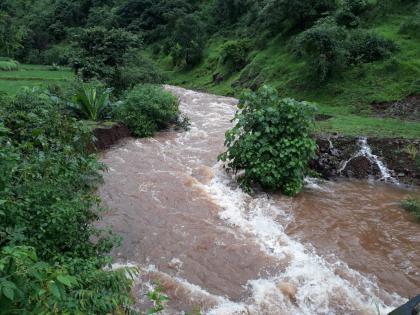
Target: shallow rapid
338	248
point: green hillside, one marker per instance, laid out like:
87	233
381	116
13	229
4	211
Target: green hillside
345	55
347	96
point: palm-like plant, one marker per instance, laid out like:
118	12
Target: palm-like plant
91	103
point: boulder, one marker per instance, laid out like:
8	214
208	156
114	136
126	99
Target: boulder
361	167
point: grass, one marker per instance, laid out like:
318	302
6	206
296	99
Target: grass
32	76
8	64
347	97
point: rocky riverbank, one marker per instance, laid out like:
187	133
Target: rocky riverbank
392	159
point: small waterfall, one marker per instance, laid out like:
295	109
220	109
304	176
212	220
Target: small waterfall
366	151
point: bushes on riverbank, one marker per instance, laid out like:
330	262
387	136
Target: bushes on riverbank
147	109
52	258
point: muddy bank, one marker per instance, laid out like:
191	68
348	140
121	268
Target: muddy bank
109	135
407	109
391	159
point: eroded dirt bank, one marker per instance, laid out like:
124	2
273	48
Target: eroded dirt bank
339	248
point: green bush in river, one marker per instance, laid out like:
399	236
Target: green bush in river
271	141
147	109
52	257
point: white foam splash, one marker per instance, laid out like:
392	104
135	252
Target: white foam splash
320	290
366	151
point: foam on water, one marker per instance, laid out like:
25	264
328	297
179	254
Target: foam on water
320	290
366	150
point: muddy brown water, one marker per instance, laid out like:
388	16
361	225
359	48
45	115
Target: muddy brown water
338	248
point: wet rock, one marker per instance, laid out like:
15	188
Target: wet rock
361	167
396	153
323	145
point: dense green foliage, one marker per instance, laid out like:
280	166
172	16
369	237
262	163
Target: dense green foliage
271	141
328	47
147	109
51	255
100	53
7	64
412	205
234	54
91	103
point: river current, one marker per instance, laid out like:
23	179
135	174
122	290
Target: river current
343	247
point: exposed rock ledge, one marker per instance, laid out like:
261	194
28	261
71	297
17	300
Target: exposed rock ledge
351	157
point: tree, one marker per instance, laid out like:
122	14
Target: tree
188	40
11	35
290	15
99	53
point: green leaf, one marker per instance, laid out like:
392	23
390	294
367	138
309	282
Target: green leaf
9	293
66	280
53	288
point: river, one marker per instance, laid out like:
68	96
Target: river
342	247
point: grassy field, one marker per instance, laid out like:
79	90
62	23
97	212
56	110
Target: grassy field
32	76
346	97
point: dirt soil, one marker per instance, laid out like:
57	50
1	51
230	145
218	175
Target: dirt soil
107	136
407	109
402	156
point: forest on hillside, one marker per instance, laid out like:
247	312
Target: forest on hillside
329	35
335	52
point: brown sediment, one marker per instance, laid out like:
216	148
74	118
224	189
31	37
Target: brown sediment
109	135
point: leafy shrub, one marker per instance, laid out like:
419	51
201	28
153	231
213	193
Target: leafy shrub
52	257
139	69
323	46
330	48
290	15
234	54
365	47
348	13
412	205
91	103
99	53
7	64
271	141
31	286
58	54
147	109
